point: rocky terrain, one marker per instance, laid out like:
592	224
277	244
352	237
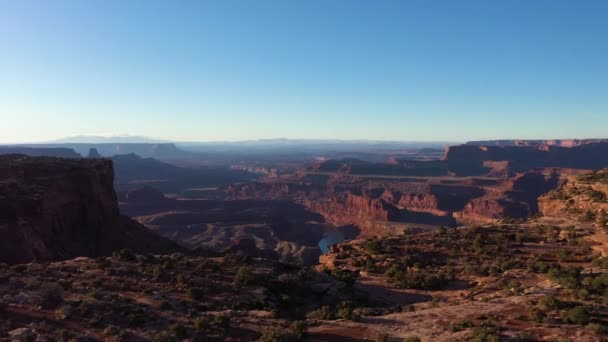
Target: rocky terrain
255	227
503	255
54	208
544	279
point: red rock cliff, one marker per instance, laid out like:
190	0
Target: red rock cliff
53	208
347	208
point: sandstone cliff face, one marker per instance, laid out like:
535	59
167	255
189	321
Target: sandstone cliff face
481	210
469	159
347	208
62	208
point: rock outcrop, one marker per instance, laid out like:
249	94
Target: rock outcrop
347	208
52	208
469	159
583	196
93	153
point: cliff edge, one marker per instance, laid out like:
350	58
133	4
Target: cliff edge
55	208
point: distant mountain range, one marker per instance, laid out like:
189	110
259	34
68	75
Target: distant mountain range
114	139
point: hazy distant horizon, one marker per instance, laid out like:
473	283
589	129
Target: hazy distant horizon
126	138
234	71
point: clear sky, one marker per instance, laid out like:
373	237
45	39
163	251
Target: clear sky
232	70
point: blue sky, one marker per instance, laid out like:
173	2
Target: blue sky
235	70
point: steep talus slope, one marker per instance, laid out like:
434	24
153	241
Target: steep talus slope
53	208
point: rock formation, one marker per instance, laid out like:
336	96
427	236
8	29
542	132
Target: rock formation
59	152
93	153
53	208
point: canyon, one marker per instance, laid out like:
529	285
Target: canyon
288	209
327	249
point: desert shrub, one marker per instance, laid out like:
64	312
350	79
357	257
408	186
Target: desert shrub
244	276
600	283
460	326
486	333
478	244
160	274
323	313
563	255
441	230
165	305
536	315
602	219
578	315
136	319
196	293
124	255
596	196
271	335
102	263
201	323
601	262
346	276
221	322
169	264
538	266
111	330
549	303
179	331
19	268
50	295
382	337
344	310
163	336
568	277
299	328
524	336
416	279
373	246
596	328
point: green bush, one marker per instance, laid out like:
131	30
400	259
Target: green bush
346	276
485	334
373	246
323	313
201	323
416	279
271	335
244	276
568	277
196	293
124	255
549	303
50	295
222	322
536	315
578	315
299	328
136	319
179	331
383	337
